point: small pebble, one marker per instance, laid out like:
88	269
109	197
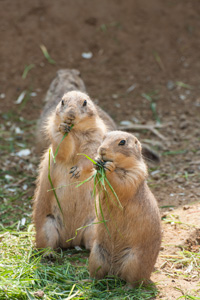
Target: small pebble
8	177
118	105
180	180
87	55
171	208
24	152
182	97
78	248
126	123
183	125
183	117
20	98
135	120
25	186
115	96
155	172
39	294
131	88
186	207
23	221
170	85
2	96
18	130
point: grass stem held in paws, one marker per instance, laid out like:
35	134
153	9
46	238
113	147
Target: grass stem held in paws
51	183
56	152
100	179
49	167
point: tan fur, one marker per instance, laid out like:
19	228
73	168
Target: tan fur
131	247
52	228
66	80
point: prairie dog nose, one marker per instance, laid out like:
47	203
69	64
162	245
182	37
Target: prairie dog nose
71	114
102	151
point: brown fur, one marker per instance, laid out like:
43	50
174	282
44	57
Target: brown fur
131	247
66	80
52	228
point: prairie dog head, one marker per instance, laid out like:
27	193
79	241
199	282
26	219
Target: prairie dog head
123	149
75	107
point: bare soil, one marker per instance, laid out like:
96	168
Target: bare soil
144	53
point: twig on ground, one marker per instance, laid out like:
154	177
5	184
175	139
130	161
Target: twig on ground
152	128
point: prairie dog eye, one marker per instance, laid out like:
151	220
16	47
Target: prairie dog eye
122	143
85	103
62	102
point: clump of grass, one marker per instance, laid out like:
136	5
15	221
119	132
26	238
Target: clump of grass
100	182
100	179
24	271
151	97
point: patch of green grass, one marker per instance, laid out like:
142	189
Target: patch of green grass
174	219
184	85
188	297
24	271
152	97
174	152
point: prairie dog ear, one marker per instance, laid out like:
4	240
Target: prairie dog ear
138	145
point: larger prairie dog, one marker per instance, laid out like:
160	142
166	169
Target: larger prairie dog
131	247
53	228
66	80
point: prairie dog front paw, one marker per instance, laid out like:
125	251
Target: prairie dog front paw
109	166
75	171
64	128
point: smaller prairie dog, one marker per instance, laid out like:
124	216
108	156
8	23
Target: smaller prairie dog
131	247
66	80
53	228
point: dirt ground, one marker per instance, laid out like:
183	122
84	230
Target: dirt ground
144	53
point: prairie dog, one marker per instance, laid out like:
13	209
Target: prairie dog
131	247
53	228
66	80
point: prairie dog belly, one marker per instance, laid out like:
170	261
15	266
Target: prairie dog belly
73	201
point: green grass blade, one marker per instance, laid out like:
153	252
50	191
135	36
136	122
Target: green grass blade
93	161
174	152
46	54
104	221
51	183
27	69
76	232
184	85
114	193
86	180
62	186
30	297
56	152
147	97
94	194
